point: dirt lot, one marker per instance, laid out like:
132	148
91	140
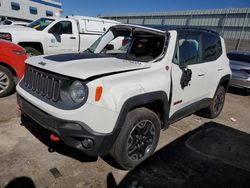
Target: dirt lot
23	155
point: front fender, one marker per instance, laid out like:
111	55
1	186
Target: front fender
122	93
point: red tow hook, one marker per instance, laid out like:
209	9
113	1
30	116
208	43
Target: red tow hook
54	138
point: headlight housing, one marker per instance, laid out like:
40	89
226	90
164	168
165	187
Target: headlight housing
19	52
5	36
77	92
74	94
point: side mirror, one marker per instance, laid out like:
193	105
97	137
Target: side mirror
185	77
109	47
183	65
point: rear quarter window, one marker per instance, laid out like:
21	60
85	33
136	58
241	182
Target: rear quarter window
212	49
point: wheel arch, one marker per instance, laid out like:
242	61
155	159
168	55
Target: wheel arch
155	101
224	81
36	45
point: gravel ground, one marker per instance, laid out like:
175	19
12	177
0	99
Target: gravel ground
23	155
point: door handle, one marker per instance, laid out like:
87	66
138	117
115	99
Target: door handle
72	37
201	74
220	69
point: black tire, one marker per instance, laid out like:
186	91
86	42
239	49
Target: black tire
247	91
6	81
32	51
139	134
216	106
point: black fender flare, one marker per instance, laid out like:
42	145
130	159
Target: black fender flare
223	79
140	100
132	103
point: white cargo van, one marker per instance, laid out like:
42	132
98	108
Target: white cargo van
57	35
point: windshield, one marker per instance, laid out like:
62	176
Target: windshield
40	24
130	43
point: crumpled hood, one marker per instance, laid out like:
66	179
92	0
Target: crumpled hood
85	65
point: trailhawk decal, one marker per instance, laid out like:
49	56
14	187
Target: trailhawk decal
112	73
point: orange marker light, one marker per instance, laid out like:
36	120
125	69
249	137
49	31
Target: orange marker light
98	93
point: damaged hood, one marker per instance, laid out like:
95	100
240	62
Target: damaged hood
85	65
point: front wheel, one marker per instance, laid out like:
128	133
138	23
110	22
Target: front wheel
137	139
215	108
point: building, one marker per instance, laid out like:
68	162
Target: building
233	24
29	10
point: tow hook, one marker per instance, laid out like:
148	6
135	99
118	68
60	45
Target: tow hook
54	138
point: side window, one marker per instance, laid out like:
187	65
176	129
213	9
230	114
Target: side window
33	10
63	27
66	27
211	47
49	13
188	49
15	6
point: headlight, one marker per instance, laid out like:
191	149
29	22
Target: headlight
73	94
77	92
5	36
19	52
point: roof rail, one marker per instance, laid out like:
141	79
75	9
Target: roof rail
174	27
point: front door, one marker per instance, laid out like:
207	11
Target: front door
62	38
189	74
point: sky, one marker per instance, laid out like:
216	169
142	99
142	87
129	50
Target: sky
105	7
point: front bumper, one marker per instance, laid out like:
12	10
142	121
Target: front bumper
75	134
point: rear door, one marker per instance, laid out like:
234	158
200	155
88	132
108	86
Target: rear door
63	37
213	61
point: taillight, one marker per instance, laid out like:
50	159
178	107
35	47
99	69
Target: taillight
19	52
246	70
5	36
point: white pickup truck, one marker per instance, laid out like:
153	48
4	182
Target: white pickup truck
57	35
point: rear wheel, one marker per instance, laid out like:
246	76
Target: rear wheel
215	108
6	81
137	139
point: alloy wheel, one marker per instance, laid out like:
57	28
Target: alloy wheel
4	82
140	140
219	101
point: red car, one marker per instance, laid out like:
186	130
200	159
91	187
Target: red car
12	66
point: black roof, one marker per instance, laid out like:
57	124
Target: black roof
180	28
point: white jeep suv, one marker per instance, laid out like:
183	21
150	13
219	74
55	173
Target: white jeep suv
115	97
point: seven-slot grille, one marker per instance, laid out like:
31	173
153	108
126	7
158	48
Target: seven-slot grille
43	83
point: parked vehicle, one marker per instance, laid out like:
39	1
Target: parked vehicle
113	101
10	22
12	66
57	35
240	66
